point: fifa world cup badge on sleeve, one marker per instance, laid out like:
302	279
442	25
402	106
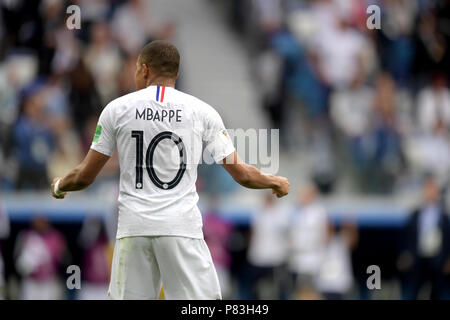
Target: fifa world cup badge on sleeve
98	132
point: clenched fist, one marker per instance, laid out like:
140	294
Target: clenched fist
282	187
60	195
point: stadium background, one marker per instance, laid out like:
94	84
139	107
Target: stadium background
363	114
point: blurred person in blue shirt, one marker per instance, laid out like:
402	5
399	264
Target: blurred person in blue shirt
33	140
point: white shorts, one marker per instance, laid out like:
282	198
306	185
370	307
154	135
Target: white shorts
182	265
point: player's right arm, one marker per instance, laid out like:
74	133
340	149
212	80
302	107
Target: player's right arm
250	177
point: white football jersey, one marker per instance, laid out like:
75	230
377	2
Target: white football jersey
159	132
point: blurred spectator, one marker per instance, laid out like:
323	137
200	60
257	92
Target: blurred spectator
378	154
269	14
429	149
95	10
399	17
340	54
104	62
67	153
351	111
16	72
4	233
126	77
432	51
95	276
430	152
39	253
335	278
425	252
267	253
83	95
323	160
217	235
433	104
33	140
133	25
57	47
270	73
308	240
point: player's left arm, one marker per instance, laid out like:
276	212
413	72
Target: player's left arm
81	176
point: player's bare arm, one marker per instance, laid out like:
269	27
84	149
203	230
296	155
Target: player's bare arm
81	176
250	177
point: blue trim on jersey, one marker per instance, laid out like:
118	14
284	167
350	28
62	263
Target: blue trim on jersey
157	93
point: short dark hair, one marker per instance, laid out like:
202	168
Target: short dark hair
162	57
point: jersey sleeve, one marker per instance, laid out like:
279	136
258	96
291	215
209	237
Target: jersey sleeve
216	137
104	140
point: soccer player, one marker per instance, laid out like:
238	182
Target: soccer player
159	132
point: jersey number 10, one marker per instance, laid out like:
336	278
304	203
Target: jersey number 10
139	136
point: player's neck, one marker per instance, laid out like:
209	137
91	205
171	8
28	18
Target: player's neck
165	82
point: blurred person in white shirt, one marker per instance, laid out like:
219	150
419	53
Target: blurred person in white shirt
39	252
429	150
340	54
335	278
133	25
104	62
434	104
351	110
308	242
267	252
269	14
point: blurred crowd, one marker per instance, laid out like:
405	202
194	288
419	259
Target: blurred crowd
54	81
38	256
369	105
298	252
372	104
288	251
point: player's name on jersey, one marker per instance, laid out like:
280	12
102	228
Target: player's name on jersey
156	115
